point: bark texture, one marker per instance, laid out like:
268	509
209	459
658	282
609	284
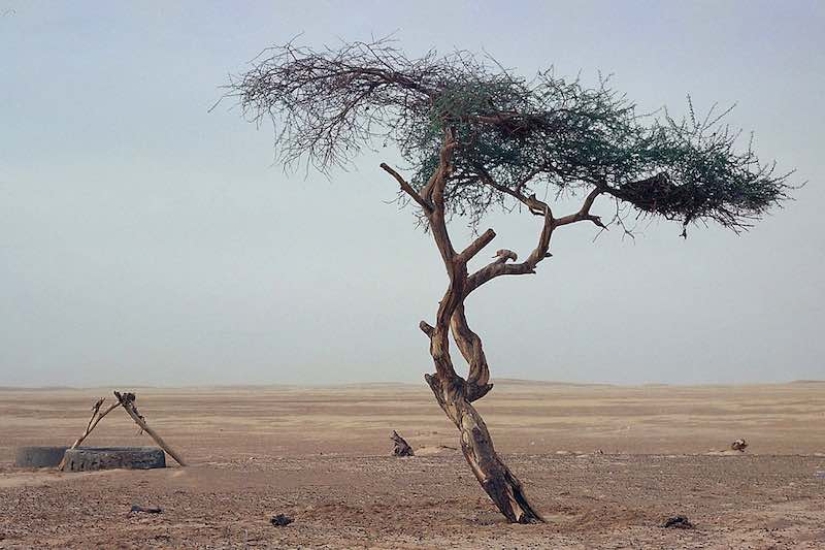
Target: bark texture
500	484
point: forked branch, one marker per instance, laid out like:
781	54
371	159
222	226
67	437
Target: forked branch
584	212
500	266
97	416
407	188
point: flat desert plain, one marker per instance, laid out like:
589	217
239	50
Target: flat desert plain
605	465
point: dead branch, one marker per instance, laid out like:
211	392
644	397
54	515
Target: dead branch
97	416
475	247
407	188
128	402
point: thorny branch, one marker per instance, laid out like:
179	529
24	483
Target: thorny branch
451	308
477	137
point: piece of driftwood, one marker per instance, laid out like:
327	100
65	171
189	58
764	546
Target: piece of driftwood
739	445
400	447
97	416
127	400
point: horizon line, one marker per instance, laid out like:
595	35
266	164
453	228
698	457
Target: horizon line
344	385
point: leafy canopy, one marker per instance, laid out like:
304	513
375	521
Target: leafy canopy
515	136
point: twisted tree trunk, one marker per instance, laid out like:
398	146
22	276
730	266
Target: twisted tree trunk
494	476
455	394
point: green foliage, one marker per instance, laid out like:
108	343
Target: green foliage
525	134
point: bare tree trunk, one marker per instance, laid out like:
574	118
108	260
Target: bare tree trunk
453	393
494	476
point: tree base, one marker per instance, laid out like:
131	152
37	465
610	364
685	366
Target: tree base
503	488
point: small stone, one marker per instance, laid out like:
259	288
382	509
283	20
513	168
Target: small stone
150	510
281	520
678	522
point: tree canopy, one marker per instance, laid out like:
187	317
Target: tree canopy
514	136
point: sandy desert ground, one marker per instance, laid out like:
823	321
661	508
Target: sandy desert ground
321	455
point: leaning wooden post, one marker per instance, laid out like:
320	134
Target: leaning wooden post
97	416
128	402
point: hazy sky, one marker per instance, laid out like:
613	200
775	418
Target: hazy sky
144	240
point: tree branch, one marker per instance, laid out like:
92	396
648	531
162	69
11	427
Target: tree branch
499	266
128	402
476	246
584	212
456	270
407	188
434	192
488	180
469	343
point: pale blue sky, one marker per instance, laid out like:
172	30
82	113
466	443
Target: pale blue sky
144	240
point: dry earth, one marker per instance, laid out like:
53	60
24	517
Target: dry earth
321	456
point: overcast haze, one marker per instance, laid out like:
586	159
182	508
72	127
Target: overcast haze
144	240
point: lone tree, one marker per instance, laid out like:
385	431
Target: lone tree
476	137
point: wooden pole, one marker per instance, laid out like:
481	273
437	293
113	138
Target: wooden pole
97	416
128	402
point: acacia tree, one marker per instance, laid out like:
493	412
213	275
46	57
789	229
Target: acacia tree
475	137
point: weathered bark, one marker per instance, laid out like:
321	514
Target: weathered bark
495	477
453	393
469	343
